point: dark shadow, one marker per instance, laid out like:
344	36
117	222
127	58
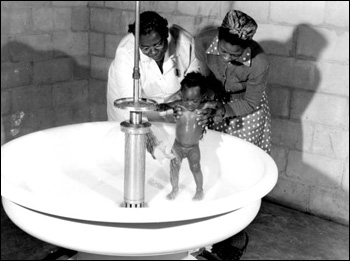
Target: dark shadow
300	177
3	137
18	245
33	100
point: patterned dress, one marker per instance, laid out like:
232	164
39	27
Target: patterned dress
241	88
254	127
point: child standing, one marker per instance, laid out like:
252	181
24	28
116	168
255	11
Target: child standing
188	132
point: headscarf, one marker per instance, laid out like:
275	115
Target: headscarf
240	24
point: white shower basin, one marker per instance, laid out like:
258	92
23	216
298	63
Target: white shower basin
65	186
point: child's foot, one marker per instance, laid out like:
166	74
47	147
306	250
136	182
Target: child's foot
172	195
198	196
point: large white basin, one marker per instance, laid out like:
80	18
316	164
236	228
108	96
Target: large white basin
67	182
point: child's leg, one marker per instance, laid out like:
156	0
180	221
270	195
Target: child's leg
175	165
195	166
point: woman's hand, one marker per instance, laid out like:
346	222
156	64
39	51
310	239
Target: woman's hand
219	113
205	112
163	107
177	112
210	111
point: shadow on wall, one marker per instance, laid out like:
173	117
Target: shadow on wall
41	89
314	190
2	133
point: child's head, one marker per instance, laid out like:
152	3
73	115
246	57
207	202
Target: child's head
192	90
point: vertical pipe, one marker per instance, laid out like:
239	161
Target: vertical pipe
134	172
135	138
136	73
135	117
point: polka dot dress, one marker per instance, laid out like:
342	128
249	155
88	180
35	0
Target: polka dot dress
213	47
254	127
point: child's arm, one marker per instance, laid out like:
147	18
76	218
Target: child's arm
167	106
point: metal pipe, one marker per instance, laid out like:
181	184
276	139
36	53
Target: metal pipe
134	178
135	138
136	73
134	163
135	117
135	133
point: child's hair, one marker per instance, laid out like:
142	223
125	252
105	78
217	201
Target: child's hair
194	79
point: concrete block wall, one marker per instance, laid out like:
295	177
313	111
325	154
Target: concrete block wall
308	44
45	65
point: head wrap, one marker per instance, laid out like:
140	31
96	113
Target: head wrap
240	24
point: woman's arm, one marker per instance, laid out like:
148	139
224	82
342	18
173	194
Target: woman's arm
168	106
248	101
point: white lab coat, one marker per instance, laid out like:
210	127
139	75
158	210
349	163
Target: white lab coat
178	61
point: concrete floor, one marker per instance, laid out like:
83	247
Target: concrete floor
277	233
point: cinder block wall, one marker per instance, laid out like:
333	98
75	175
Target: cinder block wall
308	43
45	65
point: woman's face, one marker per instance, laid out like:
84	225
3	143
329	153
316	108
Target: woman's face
229	52
153	45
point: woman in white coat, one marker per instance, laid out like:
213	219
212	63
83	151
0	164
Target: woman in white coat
166	56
